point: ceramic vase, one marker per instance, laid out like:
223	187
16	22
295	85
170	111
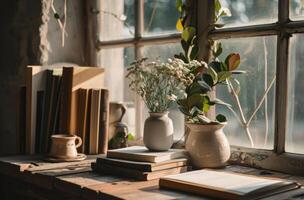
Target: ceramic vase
158	132
207	145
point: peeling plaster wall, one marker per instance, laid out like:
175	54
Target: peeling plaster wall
73	50
29	35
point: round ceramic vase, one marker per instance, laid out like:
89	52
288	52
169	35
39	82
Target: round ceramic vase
207	145
158	132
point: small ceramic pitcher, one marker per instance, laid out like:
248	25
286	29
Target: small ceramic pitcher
64	146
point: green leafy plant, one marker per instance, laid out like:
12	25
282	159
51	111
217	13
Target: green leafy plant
198	100
189	33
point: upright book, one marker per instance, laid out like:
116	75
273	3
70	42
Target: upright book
74	78
94	121
82	118
140	153
226	185
104	121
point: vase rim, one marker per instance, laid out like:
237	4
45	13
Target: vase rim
158	114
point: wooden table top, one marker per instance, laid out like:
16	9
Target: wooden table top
78	180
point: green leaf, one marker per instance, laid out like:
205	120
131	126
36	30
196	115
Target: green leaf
195	100
188	33
195	111
192	52
232	61
205	87
206	104
208	79
179	25
219	25
217	6
218	50
184	111
182	103
203	119
213	74
130	137
222	76
216	66
221	118
179	6
220	102
238	72
185	45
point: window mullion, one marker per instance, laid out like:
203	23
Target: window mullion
282	80
139	28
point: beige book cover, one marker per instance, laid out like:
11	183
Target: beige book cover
141	153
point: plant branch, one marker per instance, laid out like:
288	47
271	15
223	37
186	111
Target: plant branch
265	88
261	101
243	120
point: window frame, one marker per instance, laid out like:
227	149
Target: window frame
276	159
138	41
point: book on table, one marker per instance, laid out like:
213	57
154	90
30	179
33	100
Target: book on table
142	154
142	166
226	185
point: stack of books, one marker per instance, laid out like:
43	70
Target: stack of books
139	163
66	100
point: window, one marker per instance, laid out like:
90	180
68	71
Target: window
132	29
269	37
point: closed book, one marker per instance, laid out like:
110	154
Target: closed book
94	121
143	166
104	121
46	112
39	110
83	96
139	175
141	153
226	185
74	78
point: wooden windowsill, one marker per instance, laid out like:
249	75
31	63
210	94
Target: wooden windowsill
30	175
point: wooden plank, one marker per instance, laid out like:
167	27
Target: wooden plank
76	182
12	165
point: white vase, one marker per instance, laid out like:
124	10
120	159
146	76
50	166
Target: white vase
207	145
158	132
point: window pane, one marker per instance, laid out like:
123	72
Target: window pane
296	9
295	131
116	19
162	53
258	59
250	12
115	62
160	17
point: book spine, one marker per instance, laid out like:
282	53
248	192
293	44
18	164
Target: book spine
45	112
39	110
82	117
104	121
29	132
94	121
21	120
66	100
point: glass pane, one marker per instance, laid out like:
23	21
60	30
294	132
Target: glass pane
115	62
250	12
295	131
162	53
117	19
160	17
258	59
296	9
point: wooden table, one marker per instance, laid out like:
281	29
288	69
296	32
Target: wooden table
29	177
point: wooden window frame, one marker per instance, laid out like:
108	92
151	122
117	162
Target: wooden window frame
276	159
138	41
